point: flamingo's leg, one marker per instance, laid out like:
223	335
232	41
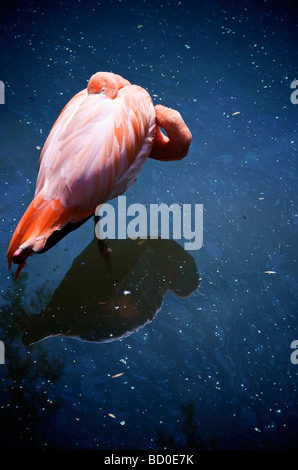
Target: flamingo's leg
104	249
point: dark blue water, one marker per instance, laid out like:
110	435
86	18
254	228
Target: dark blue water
204	364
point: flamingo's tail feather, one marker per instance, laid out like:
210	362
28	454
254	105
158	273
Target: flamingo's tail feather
38	223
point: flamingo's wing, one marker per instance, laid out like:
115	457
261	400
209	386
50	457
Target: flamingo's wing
96	147
93	153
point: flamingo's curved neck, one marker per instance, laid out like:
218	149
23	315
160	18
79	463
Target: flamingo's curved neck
175	145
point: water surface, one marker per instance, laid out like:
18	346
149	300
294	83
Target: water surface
215	353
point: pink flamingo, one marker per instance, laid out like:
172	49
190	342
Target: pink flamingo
94	153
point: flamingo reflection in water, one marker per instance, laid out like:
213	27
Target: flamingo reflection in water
90	306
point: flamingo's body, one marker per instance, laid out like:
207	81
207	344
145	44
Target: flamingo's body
94	153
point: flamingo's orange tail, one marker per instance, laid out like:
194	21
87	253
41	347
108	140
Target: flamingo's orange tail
40	220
